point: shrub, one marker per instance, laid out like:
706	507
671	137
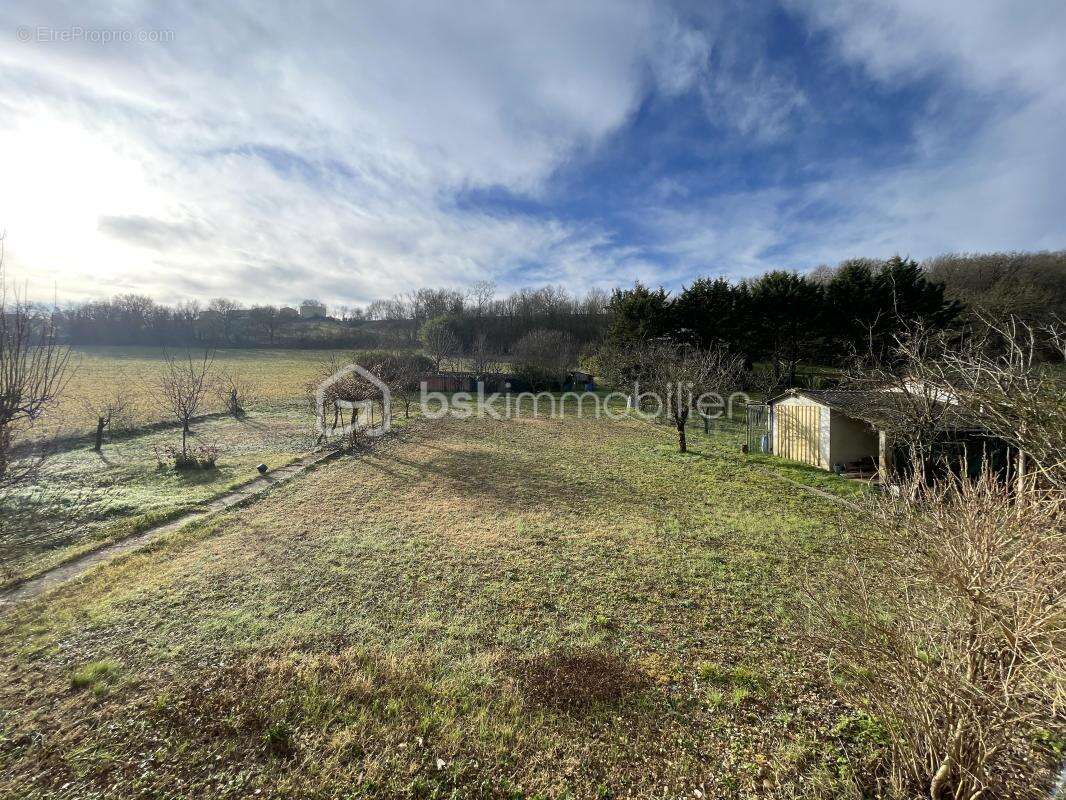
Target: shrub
948	620
202	457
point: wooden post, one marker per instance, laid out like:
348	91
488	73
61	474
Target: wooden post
885	463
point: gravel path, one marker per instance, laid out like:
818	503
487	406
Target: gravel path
35	587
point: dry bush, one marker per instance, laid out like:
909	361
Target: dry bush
542	358
947	617
234	390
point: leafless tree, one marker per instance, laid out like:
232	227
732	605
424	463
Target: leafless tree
945	618
34	366
687	378
1010	381
401	372
542	357
481	295
439	341
234	389
181	387
483	360
268	319
912	412
1007	380
681	379
107	409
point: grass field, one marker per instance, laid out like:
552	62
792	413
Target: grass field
280	378
89	498
477	608
107	495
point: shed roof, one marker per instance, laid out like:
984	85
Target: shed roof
881	408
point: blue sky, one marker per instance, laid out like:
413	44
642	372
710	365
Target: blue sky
269	153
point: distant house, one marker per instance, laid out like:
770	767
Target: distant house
468	382
288	312
312	309
577	380
845	431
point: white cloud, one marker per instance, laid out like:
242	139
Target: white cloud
271	152
1003	188
329	141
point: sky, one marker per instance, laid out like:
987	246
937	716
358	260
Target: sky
274	151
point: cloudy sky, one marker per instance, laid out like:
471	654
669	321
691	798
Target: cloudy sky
269	152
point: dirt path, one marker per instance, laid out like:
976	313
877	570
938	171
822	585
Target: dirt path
61	573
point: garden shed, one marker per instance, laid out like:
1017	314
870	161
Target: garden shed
821	428
845	430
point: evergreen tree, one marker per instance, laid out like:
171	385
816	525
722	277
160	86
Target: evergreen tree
639	314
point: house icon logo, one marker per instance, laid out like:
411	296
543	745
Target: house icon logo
350	394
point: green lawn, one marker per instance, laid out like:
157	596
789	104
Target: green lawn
477	608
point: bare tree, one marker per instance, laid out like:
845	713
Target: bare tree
34	366
181	386
234	389
689	378
1010	380
483	360
946	621
682	379
107	409
401	372
911	411
481	295
1007	380
267	319
439	341
542	357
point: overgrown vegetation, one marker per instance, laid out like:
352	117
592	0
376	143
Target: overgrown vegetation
946	623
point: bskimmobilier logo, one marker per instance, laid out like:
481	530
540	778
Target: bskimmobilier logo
351	393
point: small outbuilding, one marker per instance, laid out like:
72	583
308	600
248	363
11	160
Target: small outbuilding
822	428
847	431
457	381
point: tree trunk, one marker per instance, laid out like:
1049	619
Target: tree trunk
184	434
5	448
99	434
682	444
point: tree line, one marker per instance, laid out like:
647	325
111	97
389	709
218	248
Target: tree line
781	317
831	315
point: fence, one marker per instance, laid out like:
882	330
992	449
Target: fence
758	418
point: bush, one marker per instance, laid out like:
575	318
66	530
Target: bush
203	457
541	358
947	618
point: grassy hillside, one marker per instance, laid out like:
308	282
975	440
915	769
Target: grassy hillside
478	608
